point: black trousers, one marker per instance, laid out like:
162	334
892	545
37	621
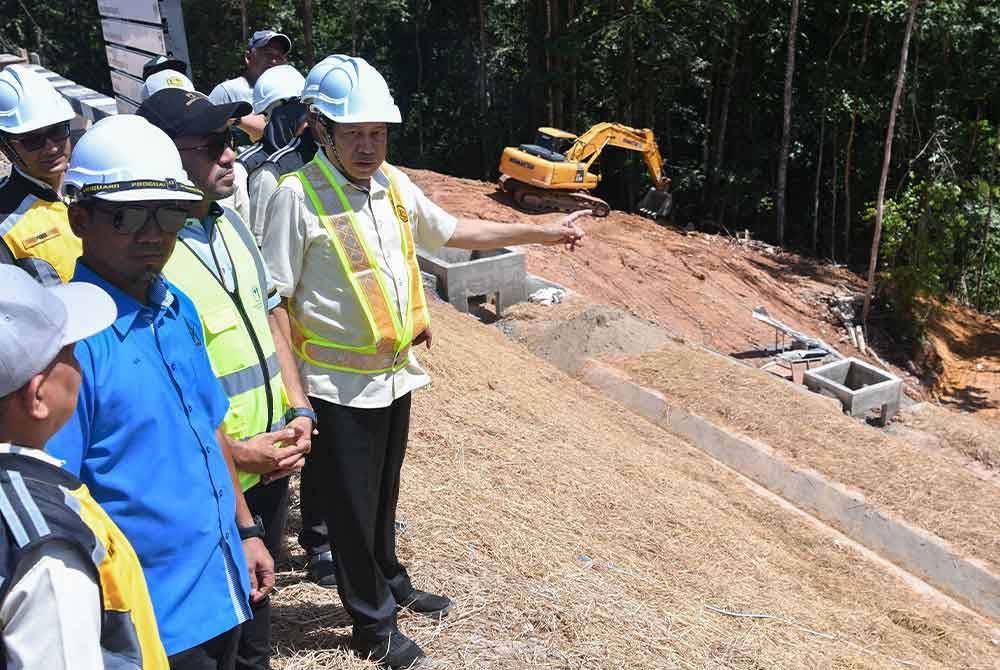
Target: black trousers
360	452
270	501
219	653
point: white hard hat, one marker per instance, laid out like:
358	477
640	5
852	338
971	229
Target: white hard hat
352	91
278	83
125	158
165	79
29	102
316	74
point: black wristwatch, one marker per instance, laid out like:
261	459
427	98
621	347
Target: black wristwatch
296	412
256	530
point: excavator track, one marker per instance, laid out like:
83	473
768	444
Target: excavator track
539	200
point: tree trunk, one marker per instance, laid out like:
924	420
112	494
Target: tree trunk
833	198
980	305
354	26
307	33
720	140
418	16
850	150
484	144
574	59
243	19
786	125
886	158
819	176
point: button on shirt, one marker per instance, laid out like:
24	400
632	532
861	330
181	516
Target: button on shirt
143	440
306	269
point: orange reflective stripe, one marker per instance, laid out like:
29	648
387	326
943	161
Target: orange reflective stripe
317	353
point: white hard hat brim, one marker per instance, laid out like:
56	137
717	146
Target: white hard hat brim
146	194
390	116
32	126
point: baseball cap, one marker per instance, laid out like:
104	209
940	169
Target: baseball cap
160	63
178	112
262	37
36	322
165	79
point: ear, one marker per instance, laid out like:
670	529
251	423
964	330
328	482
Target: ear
78	219
246	57
32	398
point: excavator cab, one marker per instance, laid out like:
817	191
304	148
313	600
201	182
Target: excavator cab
550	143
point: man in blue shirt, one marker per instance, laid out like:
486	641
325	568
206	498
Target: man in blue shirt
145	435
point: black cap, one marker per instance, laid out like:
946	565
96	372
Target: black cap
178	112
160	63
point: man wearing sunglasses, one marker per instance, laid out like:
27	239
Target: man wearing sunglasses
145	436
34	136
217	264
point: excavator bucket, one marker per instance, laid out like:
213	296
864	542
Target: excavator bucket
656	204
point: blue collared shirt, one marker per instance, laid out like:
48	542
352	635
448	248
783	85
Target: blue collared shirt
143	440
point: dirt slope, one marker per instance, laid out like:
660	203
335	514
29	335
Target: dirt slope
573	534
697	286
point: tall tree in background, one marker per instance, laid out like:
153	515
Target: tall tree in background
886	158
308	50
786	125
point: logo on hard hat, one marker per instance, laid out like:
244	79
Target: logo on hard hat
175	81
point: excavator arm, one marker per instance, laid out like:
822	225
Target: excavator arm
588	147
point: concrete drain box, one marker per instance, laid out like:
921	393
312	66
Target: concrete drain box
860	387
463	275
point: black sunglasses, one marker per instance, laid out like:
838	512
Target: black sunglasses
127	219
217	143
35	141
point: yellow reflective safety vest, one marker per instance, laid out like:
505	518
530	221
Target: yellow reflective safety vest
43	503
389	337
237	335
35	232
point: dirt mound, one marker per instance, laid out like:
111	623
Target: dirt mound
975	437
573	534
568	333
963	354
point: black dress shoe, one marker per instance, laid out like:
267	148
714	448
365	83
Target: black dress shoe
321	570
427	604
392	651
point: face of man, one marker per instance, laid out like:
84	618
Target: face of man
260	59
208	160
129	260
44	153
361	148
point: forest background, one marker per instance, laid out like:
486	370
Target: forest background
709	77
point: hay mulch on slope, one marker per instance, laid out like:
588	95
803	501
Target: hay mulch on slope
975	437
573	534
928	490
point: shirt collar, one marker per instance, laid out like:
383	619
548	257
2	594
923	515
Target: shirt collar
45	190
159	297
207	222
40	454
379	182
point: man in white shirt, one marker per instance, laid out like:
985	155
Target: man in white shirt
59	551
265	49
340	245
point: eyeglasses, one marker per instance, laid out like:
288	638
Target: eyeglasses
128	219
218	143
35	141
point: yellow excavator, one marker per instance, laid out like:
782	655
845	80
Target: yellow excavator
553	174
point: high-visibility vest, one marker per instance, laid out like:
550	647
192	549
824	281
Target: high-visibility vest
388	338
36	232
237	336
45	504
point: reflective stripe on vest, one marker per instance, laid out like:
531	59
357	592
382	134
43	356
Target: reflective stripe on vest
237	335
389	340
38	236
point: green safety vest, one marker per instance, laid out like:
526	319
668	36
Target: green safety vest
237	335
389	334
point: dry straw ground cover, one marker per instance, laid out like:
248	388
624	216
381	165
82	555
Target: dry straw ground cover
573	534
978	439
929	490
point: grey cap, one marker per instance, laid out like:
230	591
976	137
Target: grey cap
36	322
262	37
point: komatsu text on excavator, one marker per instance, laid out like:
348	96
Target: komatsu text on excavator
553	174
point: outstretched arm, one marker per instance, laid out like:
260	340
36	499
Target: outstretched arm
474	234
